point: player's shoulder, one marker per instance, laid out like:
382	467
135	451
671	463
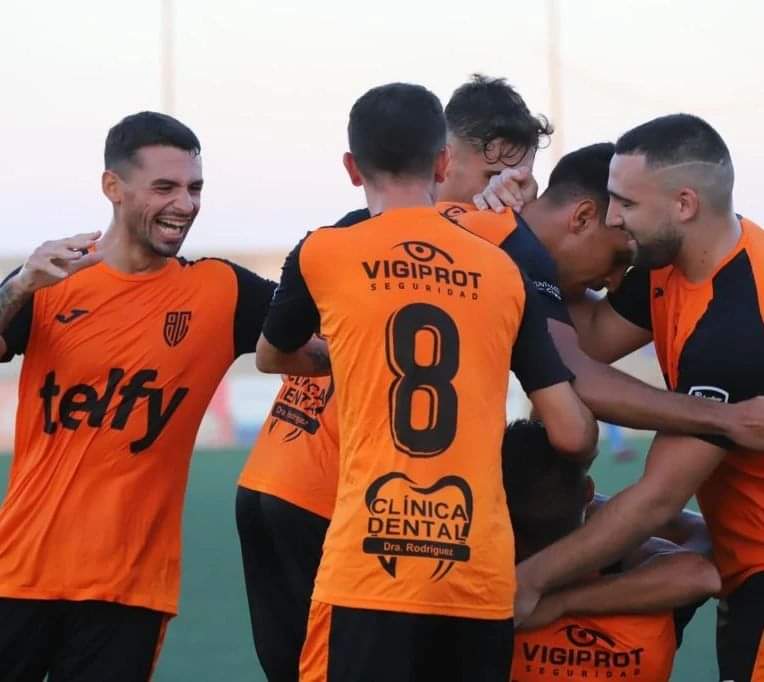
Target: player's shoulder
215	272
493	227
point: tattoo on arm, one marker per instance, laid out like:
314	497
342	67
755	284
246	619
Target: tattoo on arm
320	360
11	301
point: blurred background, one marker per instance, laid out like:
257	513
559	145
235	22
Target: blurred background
267	87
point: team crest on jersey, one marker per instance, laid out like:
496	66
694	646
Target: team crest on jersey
425	523
176	325
710	393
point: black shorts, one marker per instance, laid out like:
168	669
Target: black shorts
350	645
739	631
281	549
87	641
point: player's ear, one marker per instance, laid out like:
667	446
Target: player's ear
584	216
687	204
350	166
111	184
442	162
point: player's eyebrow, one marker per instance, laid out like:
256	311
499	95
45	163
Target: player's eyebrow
619	197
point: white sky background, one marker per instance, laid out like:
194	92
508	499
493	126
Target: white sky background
267	86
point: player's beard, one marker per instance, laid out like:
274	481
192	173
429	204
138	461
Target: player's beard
661	250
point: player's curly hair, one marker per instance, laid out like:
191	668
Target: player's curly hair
486	109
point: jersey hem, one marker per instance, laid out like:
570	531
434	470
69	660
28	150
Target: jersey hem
429	609
259	486
90	595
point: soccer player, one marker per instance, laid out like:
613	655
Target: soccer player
284	501
696	291
627	622
124	344
413	581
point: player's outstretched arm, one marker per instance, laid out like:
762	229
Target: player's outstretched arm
602	333
668	578
619	398
49	263
676	466
687	530
310	360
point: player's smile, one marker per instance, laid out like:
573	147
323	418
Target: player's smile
172	228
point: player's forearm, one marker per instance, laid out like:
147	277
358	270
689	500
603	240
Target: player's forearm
626	520
13	296
310	360
618	398
663	582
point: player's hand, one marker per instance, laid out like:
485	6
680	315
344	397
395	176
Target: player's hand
527	596
549	609
56	260
513	188
746	427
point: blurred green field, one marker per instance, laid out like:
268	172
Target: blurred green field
210	640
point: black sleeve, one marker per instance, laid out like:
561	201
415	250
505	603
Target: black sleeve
535	359
353	217
632	299
534	260
16	334
254	294
293	317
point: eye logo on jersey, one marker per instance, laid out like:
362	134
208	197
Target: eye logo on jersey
579	636
420	266
407	520
453	212
424	252
82	402
589	652
176	325
710	393
298	405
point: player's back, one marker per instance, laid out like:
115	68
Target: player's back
598	647
421	317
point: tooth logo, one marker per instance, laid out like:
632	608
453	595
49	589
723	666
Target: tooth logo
176	326
408	520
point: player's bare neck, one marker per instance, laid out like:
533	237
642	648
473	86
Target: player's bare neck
125	255
544	224
391	195
707	246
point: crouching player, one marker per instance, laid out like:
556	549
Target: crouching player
625	623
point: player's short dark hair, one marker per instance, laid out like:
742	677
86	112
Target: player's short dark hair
145	129
685	139
398	129
582	174
674	139
546	491
485	109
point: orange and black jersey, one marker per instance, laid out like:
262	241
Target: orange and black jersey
118	371
423	321
709	338
511	234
